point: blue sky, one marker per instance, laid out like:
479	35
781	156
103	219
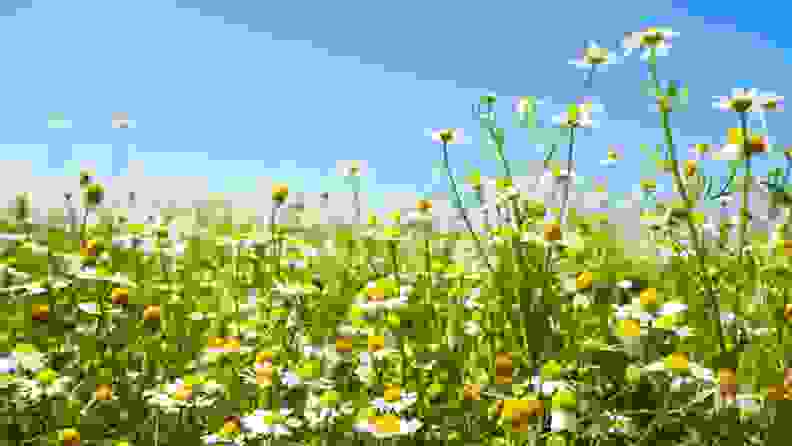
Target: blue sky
231	90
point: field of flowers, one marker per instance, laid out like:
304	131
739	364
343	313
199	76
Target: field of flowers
534	329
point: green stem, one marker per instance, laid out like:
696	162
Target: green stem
569	173
746	186
700	254
461	210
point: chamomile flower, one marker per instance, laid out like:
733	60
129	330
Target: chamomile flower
576	116
741	100
8	364
394	400
269	423
593	57
388	426
650	39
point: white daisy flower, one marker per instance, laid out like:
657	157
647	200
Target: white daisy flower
395	402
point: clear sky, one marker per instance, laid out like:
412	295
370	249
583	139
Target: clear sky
234	90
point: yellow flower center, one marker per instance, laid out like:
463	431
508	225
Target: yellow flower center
596	56
388	423
392	393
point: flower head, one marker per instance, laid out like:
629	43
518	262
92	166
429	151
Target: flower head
747	100
448	136
650	39
279	193
577	116
593	56
739	147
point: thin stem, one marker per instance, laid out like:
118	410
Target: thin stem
746	186
461	211
700	254
569	174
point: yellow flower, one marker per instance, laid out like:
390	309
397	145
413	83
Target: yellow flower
231	344
584	280
263	357
448	136
376	343
519	412
677	361
120	296
280	192
424	205
392	393
690	168
88	248
231	425
343	344
40	312
552	232
631	328
103	392
71	437
742	100
387	423
648	296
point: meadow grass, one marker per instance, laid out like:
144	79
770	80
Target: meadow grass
526	330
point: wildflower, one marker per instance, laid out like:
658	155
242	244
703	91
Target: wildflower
503	368
727	378
593	56
630	328
8	363
181	391
231	424
279	193
576	116
264	373
650	39
103	392
742	100
151	313
394	400
735	142
390	425
648	297
584	280
120	296
777	392
88	248
519	412
552	232
424	205
677	361
216	344
40	312
472	392
71	437
269	423
690	168
376	343
771	102
343	344
448	136
231	344
612	157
